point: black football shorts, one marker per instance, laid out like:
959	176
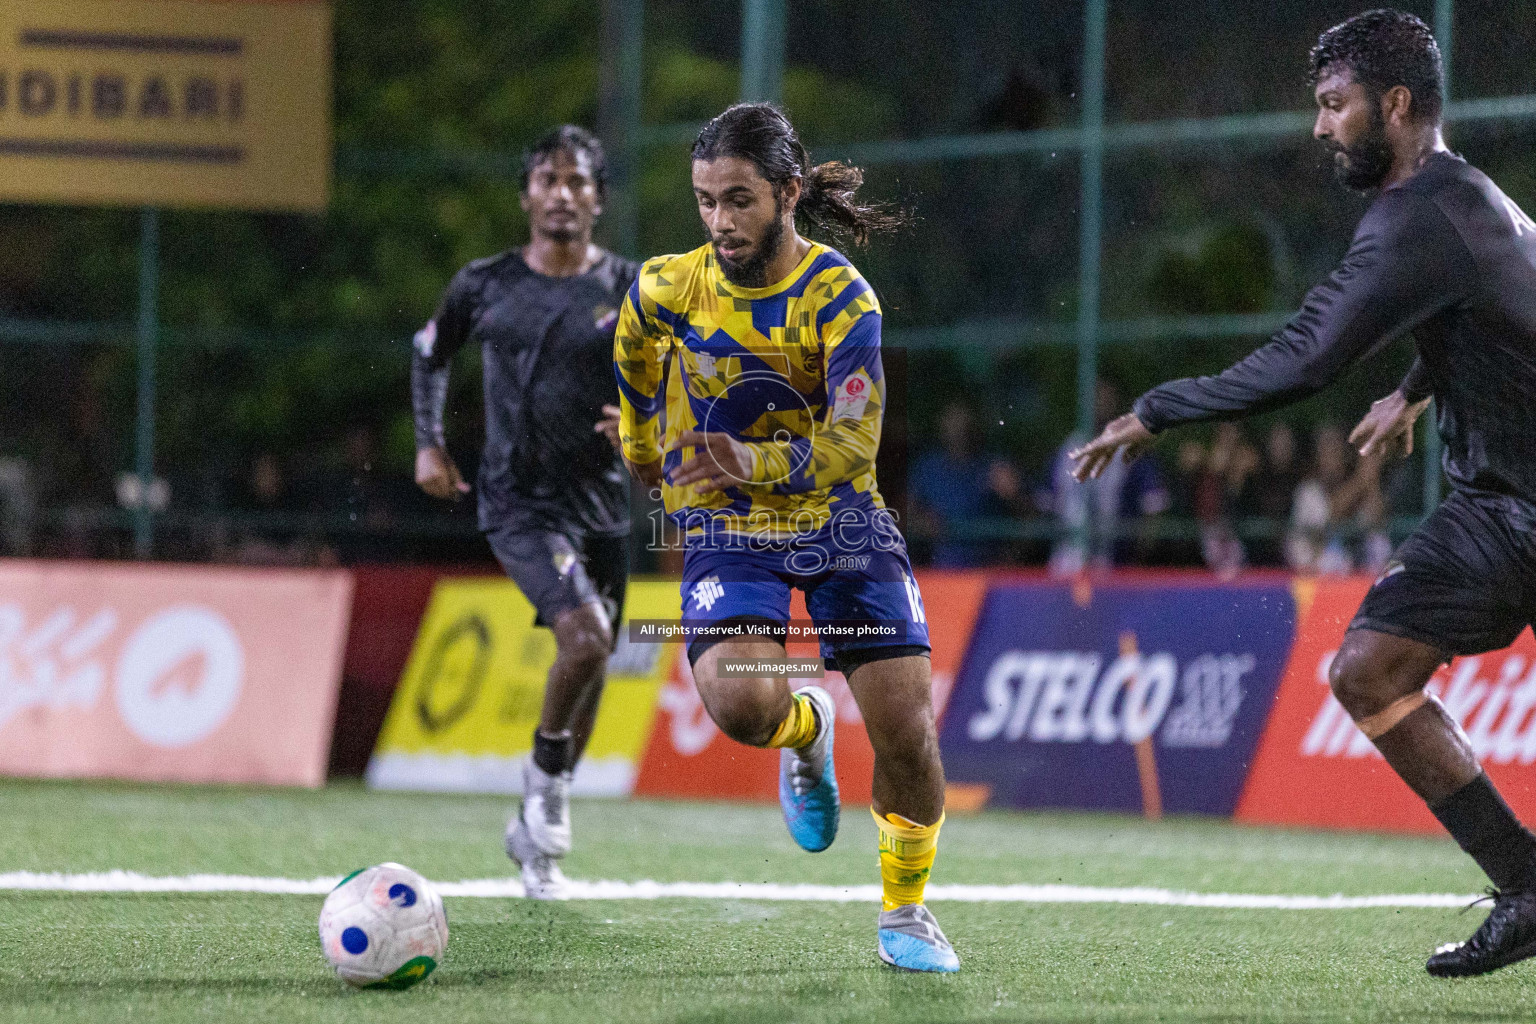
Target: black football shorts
560	571
1464	581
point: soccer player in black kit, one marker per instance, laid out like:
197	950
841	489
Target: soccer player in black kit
553	493
1444	255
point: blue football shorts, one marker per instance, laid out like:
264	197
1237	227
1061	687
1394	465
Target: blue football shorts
865	603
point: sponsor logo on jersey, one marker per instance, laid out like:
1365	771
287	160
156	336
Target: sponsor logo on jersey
852	397
706	592
605	318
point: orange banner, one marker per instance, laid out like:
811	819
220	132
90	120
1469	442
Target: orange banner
1314	767
688	756
169	673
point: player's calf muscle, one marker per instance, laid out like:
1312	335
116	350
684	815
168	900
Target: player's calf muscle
894	698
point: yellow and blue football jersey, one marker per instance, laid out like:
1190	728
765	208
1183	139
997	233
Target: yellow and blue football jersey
792	369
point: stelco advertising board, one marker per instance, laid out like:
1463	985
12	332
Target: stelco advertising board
1130	697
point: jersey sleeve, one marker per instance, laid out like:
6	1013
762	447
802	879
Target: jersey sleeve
640	345
432	352
847	436
1406	263
1417	385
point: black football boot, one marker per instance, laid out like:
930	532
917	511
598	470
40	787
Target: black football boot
1507	936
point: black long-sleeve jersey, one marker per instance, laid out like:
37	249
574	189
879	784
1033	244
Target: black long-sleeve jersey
1446	256
547	345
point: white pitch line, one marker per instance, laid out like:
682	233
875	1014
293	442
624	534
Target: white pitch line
494	888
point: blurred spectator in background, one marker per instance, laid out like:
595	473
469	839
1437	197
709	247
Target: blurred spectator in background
1229	465
1188	468
18	506
360	504
1269	493
956	485
1339	513
264	533
1100	520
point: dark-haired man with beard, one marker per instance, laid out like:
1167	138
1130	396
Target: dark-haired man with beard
1442	254
765	347
554	499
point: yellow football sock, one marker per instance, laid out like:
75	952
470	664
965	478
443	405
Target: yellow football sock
799	728
907	850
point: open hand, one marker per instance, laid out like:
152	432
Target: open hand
1123	434
1387	430
438	476
724	462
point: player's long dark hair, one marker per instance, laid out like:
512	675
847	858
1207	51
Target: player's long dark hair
760	132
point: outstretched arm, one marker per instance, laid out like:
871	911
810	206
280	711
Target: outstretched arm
1407	262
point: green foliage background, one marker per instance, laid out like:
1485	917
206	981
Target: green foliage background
283	331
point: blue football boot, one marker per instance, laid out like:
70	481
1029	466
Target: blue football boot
808	781
911	939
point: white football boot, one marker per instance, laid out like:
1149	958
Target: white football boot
909	938
540	834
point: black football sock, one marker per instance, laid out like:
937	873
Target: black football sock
1483	825
552	753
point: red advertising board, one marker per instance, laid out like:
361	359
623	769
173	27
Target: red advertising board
388	602
687	756
169	673
1313	767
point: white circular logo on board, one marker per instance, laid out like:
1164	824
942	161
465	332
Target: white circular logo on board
164	707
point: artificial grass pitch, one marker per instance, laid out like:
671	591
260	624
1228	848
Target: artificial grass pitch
131	957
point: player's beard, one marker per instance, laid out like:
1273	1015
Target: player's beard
752	272
1369	160
563	233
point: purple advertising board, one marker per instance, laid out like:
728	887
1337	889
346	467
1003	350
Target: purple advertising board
1131	696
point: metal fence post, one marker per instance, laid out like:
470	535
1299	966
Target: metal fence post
148	332
762	50
1090	228
619	116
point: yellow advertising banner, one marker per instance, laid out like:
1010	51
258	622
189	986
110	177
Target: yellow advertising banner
174	103
464	714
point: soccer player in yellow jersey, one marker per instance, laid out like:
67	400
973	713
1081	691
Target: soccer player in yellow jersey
764	347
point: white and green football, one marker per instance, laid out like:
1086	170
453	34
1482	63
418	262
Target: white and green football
383	927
